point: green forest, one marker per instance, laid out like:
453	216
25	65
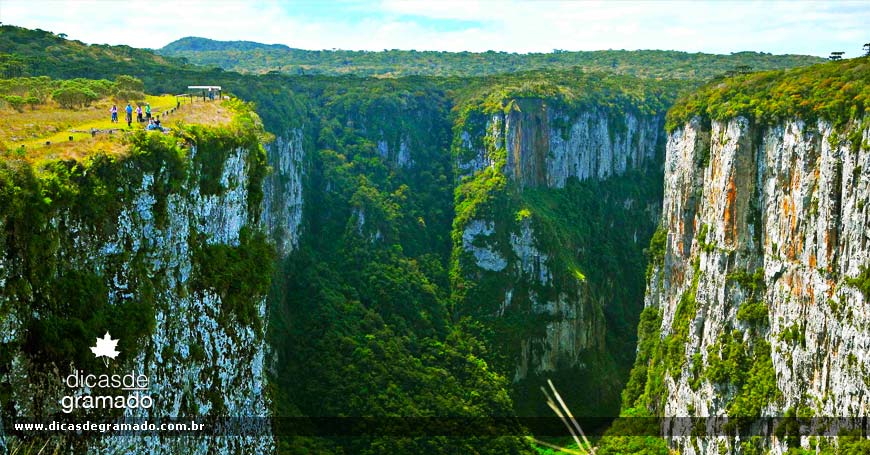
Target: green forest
833	91
250	57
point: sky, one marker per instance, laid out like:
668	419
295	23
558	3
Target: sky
793	27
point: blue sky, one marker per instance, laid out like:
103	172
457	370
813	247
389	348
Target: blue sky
800	27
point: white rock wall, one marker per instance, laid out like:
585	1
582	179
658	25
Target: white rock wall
546	147
282	199
791	200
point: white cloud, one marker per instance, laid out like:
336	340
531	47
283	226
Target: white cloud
716	26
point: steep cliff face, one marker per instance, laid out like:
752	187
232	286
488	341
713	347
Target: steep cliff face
546	146
761	287
567	201
283	200
147	247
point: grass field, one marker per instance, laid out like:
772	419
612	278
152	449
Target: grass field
54	125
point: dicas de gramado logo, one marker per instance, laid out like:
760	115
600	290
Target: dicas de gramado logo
106	348
131	386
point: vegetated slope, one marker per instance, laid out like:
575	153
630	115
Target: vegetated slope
372	293
759	283
245	56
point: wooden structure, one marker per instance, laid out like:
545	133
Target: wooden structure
208	91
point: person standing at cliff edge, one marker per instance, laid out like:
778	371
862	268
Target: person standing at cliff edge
129	110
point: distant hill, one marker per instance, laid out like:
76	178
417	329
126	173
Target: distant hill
251	57
192	43
26	52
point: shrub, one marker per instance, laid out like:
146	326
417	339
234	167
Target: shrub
16	102
240	275
862	281
656	251
753	312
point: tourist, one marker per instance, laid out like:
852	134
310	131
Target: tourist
147	111
129	110
139	113
114	111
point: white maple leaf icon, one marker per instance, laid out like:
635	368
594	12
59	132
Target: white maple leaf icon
105	347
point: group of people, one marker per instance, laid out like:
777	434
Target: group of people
152	124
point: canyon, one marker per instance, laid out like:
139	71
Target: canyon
428	247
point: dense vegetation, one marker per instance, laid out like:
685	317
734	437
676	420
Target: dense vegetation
365	298
248	57
571	92
368	296
836	91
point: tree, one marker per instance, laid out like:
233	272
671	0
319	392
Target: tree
129	88
125	82
32	101
743	69
836	55
867	49
73	95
